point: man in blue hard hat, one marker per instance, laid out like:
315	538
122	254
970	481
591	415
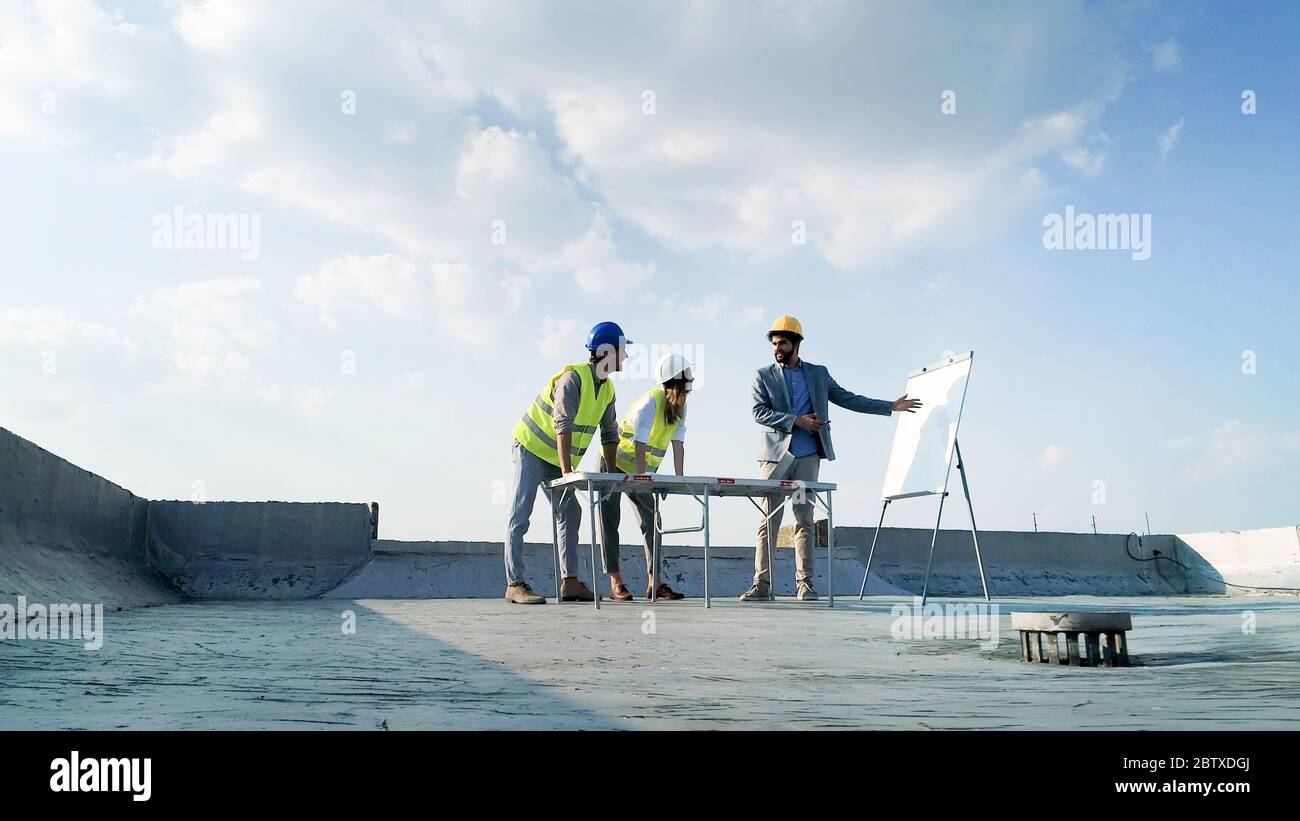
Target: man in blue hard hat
549	442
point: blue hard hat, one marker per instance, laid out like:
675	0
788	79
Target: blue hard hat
606	333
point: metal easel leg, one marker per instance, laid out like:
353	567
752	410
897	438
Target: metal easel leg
974	532
872	554
925	587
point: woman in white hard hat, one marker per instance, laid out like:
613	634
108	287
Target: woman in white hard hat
654	421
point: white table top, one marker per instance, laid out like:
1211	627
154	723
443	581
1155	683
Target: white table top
687	485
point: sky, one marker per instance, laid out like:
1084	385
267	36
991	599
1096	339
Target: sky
431	204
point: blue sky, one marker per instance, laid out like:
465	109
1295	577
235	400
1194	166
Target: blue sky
180	373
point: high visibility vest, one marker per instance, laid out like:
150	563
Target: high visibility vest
536	430
661	433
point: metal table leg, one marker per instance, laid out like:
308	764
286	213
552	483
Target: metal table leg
830	549
771	557
595	568
555	539
706	549
653	570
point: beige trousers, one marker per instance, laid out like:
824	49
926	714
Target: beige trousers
805	468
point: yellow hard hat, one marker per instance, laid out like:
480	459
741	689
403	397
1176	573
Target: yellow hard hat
786	324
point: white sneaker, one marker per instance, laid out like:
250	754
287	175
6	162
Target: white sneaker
806	593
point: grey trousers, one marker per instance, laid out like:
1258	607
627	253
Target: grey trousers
530	471
805	468
610	515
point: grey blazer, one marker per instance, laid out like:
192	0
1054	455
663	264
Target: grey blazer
774	410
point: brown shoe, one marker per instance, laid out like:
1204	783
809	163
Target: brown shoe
665	592
621	593
574	589
521	593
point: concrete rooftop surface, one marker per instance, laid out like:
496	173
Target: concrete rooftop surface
231	615
486	664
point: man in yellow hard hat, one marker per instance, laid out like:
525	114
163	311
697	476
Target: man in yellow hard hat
791	399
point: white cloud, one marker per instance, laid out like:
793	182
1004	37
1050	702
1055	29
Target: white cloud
200	153
389	283
736	151
734	170
1230	447
558	336
60	368
465	302
314	400
1086	162
711	309
49	54
1169	140
54	329
494	157
1054	455
747	316
411	381
758	136
212	26
213	328
516	287
468	303
595	265
403	133
1166	56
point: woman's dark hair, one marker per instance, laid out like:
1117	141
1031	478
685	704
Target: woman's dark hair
675	399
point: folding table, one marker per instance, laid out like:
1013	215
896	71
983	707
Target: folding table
599	486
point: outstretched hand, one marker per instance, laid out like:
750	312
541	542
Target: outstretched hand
903	404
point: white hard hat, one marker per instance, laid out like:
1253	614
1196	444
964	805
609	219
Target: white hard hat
671	366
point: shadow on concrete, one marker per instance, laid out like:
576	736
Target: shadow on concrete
1224	656
268	665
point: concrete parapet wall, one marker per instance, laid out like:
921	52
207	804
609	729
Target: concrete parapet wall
257	550
69	536
1020	564
477	569
1237	560
1016	564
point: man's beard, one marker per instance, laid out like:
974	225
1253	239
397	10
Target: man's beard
781	356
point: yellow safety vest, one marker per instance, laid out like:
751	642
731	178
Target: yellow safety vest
661	433
536	431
